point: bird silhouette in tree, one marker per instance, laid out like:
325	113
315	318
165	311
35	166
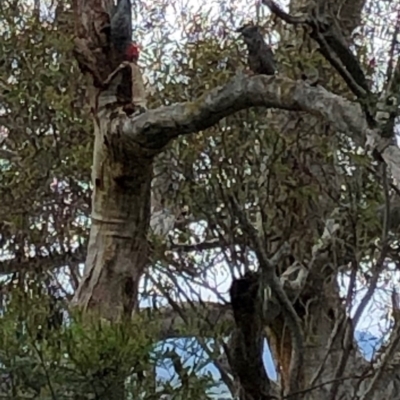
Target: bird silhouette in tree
121	31
260	56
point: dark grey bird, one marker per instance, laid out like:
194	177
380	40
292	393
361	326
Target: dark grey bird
121	26
260	58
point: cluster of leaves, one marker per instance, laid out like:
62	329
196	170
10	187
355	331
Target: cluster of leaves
44	190
43	356
46	353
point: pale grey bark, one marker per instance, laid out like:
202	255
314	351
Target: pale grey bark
154	129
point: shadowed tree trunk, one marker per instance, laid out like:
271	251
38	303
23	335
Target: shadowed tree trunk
247	340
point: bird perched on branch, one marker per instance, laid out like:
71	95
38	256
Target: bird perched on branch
260	58
126	81
121	31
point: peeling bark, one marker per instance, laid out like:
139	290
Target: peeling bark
117	250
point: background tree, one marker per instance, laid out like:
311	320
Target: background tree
225	174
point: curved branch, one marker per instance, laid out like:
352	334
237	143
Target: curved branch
155	128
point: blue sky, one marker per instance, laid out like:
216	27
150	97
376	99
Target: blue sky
368	344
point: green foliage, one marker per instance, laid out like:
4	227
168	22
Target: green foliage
81	359
43	122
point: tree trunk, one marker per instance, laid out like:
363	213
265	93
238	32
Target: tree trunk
117	250
121	175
